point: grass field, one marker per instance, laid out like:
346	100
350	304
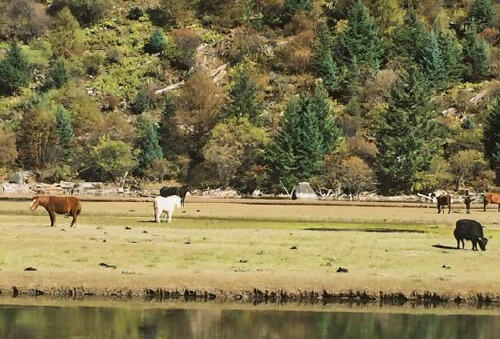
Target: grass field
238	247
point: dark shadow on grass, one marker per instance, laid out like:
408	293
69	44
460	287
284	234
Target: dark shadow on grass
370	230
445	247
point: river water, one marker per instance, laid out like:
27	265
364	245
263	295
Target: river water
22	322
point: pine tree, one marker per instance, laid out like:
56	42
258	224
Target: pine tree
409	40
148	144
290	7
432	61
323	63
360	39
491	138
64	129
156	42
308	133
482	13
451	52
476	55
58	76
242	100
408	135
15	72
168	132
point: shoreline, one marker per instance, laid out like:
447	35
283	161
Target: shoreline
258	296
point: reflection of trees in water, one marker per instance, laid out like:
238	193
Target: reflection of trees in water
128	322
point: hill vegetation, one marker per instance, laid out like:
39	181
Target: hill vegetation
394	95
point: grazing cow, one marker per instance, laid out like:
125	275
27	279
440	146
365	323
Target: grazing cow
180	191
470	230
168	205
60	205
443	200
491	198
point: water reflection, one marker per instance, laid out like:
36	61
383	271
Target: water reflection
102	322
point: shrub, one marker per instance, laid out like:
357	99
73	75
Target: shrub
156	42
182	49
141	102
86	12
135	13
22	20
66	37
92	63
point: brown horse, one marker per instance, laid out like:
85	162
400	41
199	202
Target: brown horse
443	200
491	198
60	205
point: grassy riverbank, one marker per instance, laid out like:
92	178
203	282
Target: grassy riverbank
229	249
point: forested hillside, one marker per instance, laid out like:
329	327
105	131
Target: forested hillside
395	95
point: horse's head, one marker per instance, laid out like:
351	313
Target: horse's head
35	203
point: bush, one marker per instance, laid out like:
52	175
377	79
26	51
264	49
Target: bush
92	63
22	20
135	13
182	49
86	12
141	103
156	42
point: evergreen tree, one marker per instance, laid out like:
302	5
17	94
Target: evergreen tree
482	13
148	144
242	100
409	39
491	139
451	52
360	39
476	55
432	61
58	76
15	71
290	7
308	133
408	134
323	63
156	42
64	129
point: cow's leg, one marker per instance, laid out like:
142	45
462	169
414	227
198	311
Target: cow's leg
463	244
458	243
439	208
170	216
485	203
157	216
474	245
449	207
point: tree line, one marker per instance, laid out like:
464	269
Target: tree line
387	95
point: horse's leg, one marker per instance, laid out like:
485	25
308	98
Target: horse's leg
439	208
449	206
485	203
52	216
74	214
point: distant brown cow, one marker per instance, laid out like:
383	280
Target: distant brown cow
443	200
492	198
60	205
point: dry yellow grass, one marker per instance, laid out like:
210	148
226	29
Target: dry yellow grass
232	247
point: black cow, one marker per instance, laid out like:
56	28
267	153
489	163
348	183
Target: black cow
470	230
180	191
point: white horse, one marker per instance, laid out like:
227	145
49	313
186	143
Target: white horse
168	205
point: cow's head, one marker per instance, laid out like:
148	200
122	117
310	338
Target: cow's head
482	243
34	204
